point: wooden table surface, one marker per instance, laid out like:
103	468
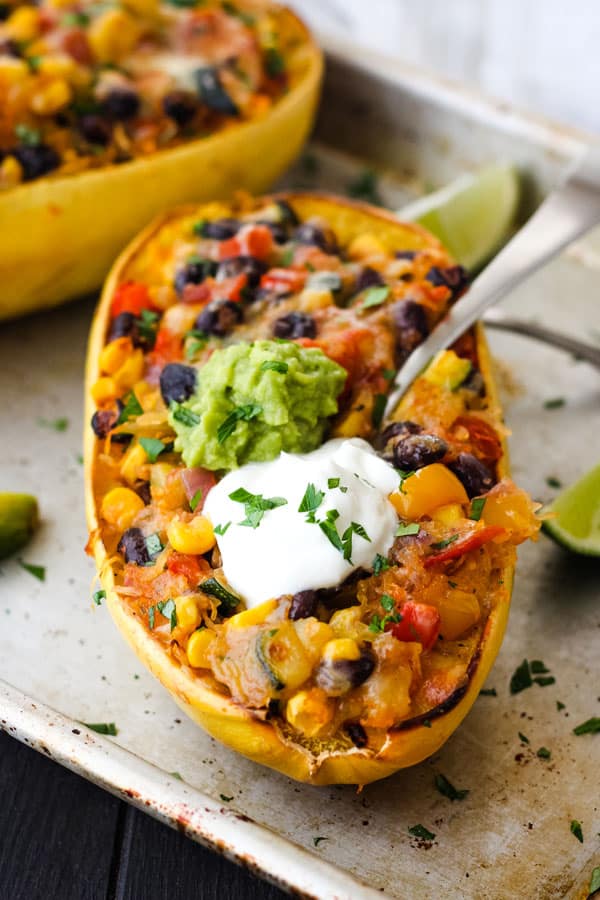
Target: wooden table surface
62	838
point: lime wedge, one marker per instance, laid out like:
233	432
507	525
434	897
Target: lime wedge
576	524
18	520
473	215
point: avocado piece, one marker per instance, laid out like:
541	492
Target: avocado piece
19	517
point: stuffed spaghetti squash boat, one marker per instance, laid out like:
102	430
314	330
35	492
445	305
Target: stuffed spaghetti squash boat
112	112
322	591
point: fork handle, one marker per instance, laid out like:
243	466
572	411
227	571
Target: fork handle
547	336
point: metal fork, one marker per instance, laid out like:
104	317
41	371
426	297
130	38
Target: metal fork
568	212
496	318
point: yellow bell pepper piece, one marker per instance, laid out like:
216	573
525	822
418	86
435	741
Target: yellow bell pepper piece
458	611
428	489
254	616
448	515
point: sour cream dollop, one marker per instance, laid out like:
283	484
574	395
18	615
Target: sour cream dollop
342	489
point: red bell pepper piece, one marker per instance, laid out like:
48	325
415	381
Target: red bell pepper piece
131	297
283	281
420	622
475	540
186	565
252	240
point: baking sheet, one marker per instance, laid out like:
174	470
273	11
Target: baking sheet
510	837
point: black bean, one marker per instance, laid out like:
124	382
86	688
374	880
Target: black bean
103	421
9	47
242	265
37	160
177	382
367	278
220	229
304	604
288	216
180	106
212	93
122	104
295	325
410	323
279	231
417	450
220	317
357	734
316	236
406	254
194	273
143	491
400	428
133	547
95	129
339	676
474	475
453	277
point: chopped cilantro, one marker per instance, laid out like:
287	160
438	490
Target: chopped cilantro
364	187
553	482
195	341
333	483
328	528
153	447
274	365
199	226
559	705
196	499
388	374
184	415
102	727
147	325
426	723
594	882
488	692
452	584
221	529
225	798
419	831
311	500
590	726
240	413
379	404
79	458
176	775
387	602
544	753
60	424
523	738
407	528
184	4
554	403
74	19
131	408
545	680
317	840
521	678
255	505
214	588
168	609
153	545
287	256
380	564
577	830
30	137
445	543
98	597
537	667
476	508
404	476
375	296
151	616
38	572
448	790
274	62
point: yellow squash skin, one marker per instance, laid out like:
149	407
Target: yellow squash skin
59	236
261	741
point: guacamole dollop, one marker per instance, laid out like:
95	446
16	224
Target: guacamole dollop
255	400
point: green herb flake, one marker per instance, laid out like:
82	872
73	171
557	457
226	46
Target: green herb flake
545	680
554	403
184	415
445	543
240	413
375	296
521	678
476	508
151	617
131	408
364	187
577	830
448	790
102	728
523	738
405	529
426	723
331	533
176	775
98	597
274	365
594	882
153	545
199	226
311	500
380	564
168	609
287	256
153	447
388	374
274	62
404	476
318	839
221	529
559	706
387	602
147	324
553	482
255	505
419	831
225	798
60	424
544	753
38	572
488	692
29	137
590	726
379	404
75	19
538	667
196	499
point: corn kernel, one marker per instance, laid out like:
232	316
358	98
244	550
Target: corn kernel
447	370
131	463
115	354
13	71
197	648
254	616
428	489
120	507
311	299
188	614
51	98
366	245
196	536
113	35
11	172
23	24
448	514
131	370
341	648
353	423
104	390
310	711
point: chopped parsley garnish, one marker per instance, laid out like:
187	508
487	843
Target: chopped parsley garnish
405	529
333	483
364	187
199	226
184	415
488	692
311	500
102	727
98	597
594	882
176	775
74	19
274	365
559	705
328	527
452	584
448	790
375	296
60	424
30	137
153	447
195	341
379	403
287	256
317	840
523	738
577	830
544	753
388	374
225	798
477	508
554	403
538	667
378	623
419	831
167	608
522	676
240	413
274	62
590	726
214	588
387	602
380	564
404	476
353	528
445	543
553	482
255	505
131	408
153	545
147	325
221	529
38	572
196	499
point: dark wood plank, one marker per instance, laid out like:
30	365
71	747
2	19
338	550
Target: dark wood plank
56	830
160	864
